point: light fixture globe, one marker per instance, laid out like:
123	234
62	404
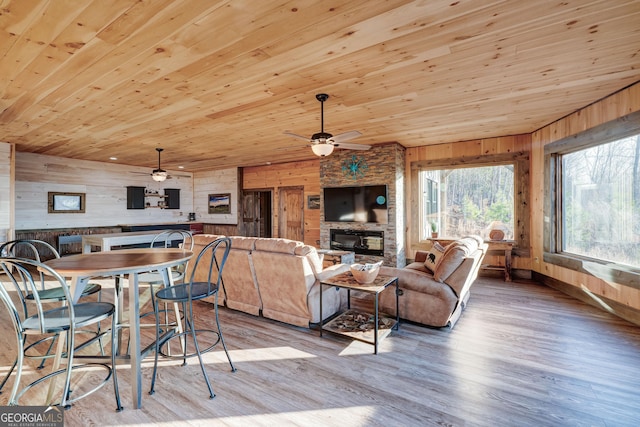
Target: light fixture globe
322	149
159	175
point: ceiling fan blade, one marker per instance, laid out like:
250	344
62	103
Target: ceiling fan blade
297	136
352	146
346	136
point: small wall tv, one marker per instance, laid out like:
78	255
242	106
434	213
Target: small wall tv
367	203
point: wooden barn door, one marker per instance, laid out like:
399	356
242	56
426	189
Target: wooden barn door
291	213
256	213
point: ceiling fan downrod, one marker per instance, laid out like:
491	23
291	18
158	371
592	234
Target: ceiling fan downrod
159	150
321	136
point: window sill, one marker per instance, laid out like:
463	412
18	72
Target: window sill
608	271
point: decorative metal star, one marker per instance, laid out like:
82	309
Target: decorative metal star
355	167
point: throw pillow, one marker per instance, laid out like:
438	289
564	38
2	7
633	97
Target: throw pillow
434	256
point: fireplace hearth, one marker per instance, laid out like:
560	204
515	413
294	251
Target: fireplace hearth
363	242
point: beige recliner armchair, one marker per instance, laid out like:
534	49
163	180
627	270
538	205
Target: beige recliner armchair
436	298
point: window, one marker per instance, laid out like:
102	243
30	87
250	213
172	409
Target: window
600	202
467	200
429	180
592	194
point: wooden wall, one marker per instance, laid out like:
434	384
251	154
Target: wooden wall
215	182
104	185
476	150
6	191
608	295
274	177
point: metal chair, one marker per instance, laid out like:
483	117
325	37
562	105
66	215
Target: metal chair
66	318
212	258
166	239
36	250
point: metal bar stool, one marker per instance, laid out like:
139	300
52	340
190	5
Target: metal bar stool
66	319
211	259
36	250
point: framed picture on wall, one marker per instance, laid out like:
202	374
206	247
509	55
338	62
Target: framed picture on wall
220	203
65	202
313	202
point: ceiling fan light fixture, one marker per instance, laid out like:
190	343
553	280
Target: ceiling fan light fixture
159	175
322	150
323	143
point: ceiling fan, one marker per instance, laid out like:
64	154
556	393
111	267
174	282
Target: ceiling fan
159	174
323	143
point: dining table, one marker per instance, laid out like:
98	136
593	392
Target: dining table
126	263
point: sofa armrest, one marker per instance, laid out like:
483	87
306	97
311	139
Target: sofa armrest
421	256
332	270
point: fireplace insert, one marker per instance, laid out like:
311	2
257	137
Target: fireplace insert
362	242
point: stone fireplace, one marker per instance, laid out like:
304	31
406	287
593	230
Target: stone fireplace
362	242
371	242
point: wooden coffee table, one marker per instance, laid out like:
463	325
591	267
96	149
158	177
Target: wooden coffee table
366	327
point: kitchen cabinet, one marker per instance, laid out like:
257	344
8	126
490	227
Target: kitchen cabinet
172	200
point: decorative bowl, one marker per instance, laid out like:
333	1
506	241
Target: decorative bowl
365	274
496	235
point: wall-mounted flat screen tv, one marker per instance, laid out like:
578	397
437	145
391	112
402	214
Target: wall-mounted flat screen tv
367	203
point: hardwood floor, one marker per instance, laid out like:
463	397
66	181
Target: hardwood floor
522	354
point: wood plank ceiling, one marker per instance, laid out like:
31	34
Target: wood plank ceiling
216	83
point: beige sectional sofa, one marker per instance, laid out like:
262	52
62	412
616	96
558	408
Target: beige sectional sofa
276	278
435	293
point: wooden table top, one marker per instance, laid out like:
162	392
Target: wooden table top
119	262
347	281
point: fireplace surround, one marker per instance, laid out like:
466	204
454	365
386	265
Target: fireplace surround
362	242
385	166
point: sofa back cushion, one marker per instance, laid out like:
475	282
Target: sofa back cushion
284	280
312	256
241	291
284	246
453	256
199	242
291	247
243	243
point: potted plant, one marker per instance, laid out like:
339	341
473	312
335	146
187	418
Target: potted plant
434	229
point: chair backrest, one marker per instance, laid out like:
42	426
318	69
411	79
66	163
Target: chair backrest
37	250
211	259
19	273
167	239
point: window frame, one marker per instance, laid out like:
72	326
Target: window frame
605	133
521	176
